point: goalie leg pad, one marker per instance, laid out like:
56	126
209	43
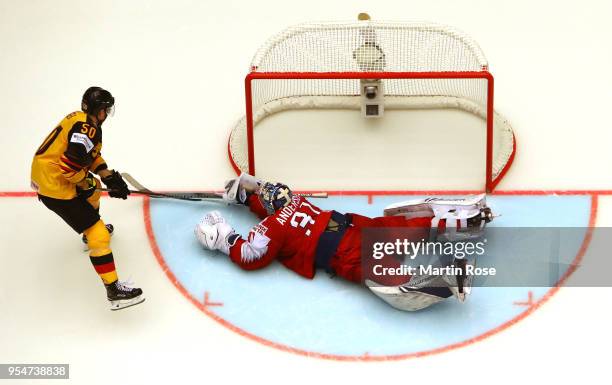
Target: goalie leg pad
424	290
409	209
405	299
464	219
436	206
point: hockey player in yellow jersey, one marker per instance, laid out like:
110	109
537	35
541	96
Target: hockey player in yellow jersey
63	171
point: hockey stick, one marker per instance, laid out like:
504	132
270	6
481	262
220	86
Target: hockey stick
191	195
155	194
187	194
314	195
144	191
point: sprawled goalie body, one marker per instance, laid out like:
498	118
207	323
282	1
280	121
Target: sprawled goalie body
307	239
289	235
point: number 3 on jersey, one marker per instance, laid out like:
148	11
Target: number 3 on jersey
301	219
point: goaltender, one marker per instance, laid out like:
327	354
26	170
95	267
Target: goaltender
306	238
63	176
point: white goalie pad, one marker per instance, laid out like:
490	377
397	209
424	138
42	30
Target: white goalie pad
420	292
455	212
437	206
402	299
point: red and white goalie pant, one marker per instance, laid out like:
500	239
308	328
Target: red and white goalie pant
354	264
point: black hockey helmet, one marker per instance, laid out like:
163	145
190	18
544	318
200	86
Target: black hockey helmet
96	99
275	196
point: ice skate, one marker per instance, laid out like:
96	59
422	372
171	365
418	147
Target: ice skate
110	229
121	295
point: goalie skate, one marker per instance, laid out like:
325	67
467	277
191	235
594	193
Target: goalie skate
121	295
461	284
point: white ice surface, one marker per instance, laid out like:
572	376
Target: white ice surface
177	69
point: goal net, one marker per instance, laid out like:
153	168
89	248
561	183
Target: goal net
379	68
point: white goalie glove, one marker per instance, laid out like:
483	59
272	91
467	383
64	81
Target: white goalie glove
237	190
213	233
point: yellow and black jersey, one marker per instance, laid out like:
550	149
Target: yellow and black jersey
70	151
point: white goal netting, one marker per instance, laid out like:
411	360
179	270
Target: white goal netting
425	55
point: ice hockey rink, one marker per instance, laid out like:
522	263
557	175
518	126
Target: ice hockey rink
177	72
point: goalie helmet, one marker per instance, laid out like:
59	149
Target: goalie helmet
275	196
96	99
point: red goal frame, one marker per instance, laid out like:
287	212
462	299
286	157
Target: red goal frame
490	182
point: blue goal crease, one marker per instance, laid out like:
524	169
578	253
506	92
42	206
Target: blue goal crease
331	316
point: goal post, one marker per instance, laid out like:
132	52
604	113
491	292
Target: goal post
405	66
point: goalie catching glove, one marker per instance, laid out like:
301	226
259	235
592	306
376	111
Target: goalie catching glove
117	186
213	233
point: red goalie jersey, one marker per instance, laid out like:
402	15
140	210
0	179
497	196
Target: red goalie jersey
295	235
290	235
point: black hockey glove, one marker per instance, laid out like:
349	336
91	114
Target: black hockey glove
117	185
86	192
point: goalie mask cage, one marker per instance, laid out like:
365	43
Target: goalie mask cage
420	66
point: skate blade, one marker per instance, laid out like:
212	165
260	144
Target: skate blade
125	303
